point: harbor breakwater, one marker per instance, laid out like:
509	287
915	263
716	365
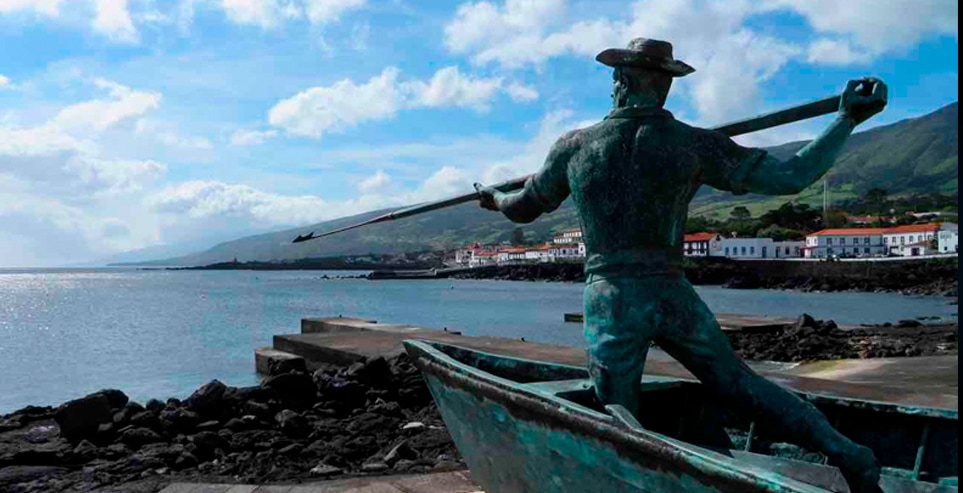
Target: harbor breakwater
912	276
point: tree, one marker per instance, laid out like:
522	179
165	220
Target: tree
876	198
793	216
835	219
740	213
778	233
518	236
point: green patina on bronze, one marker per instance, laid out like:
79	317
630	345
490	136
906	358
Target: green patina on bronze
631	177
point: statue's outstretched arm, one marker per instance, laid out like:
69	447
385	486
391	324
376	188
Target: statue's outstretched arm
772	176
544	191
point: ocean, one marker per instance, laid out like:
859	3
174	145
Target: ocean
157	333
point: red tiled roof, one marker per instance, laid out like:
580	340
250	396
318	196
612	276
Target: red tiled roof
849	232
698	237
912	228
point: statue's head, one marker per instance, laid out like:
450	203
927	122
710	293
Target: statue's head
645	70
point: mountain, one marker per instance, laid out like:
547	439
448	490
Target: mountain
918	155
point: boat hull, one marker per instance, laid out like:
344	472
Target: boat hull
519	431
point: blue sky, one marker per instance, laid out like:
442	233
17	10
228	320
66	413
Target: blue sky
131	124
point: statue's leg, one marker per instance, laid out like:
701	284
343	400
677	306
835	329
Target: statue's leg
697	341
619	319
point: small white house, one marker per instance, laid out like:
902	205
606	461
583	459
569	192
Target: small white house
745	248
948	238
702	245
911	240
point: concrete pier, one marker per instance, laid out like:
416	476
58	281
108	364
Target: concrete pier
920	381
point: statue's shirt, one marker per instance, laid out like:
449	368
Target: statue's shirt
631	177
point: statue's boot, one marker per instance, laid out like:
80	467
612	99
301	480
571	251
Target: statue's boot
860	468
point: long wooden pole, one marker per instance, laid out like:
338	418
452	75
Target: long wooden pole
768	120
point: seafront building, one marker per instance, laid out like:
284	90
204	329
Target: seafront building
913	240
845	242
907	241
948	239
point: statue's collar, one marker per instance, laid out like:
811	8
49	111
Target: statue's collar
638	112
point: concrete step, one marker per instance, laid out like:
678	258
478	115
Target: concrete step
450	482
270	361
900	383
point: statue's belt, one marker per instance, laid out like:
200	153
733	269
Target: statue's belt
634	263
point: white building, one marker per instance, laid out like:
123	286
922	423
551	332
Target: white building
568	236
948	238
702	245
759	248
540	253
789	249
911	240
566	251
846	242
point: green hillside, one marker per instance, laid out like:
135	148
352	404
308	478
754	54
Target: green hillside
918	155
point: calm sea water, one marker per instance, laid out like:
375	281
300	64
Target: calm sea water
65	333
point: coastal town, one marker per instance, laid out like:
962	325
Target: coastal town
924	240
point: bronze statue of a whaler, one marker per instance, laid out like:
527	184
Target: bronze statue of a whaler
631	177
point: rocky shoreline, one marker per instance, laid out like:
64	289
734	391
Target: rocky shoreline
374	418
812	340
912	277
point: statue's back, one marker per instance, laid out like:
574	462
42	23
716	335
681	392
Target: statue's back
631	181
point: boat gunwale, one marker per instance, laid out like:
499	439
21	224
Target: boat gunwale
722	472
933	412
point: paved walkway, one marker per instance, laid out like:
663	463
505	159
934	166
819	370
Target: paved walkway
450	482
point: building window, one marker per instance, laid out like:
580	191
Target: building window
866	240
743	250
727	251
829	251
829	241
787	250
752	250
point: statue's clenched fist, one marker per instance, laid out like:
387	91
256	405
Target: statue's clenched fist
863	98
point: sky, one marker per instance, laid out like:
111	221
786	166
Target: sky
127	124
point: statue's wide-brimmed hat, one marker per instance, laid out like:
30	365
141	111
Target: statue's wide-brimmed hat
648	53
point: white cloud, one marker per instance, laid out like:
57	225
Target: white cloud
205	199
251	137
111	18
5	82
835	52
112	176
342	105
374	183
734	58
46	7
449	87
269	14
102	113
879	26
325	11
113	21
345	104
520	92
43	140
168	136
263	13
